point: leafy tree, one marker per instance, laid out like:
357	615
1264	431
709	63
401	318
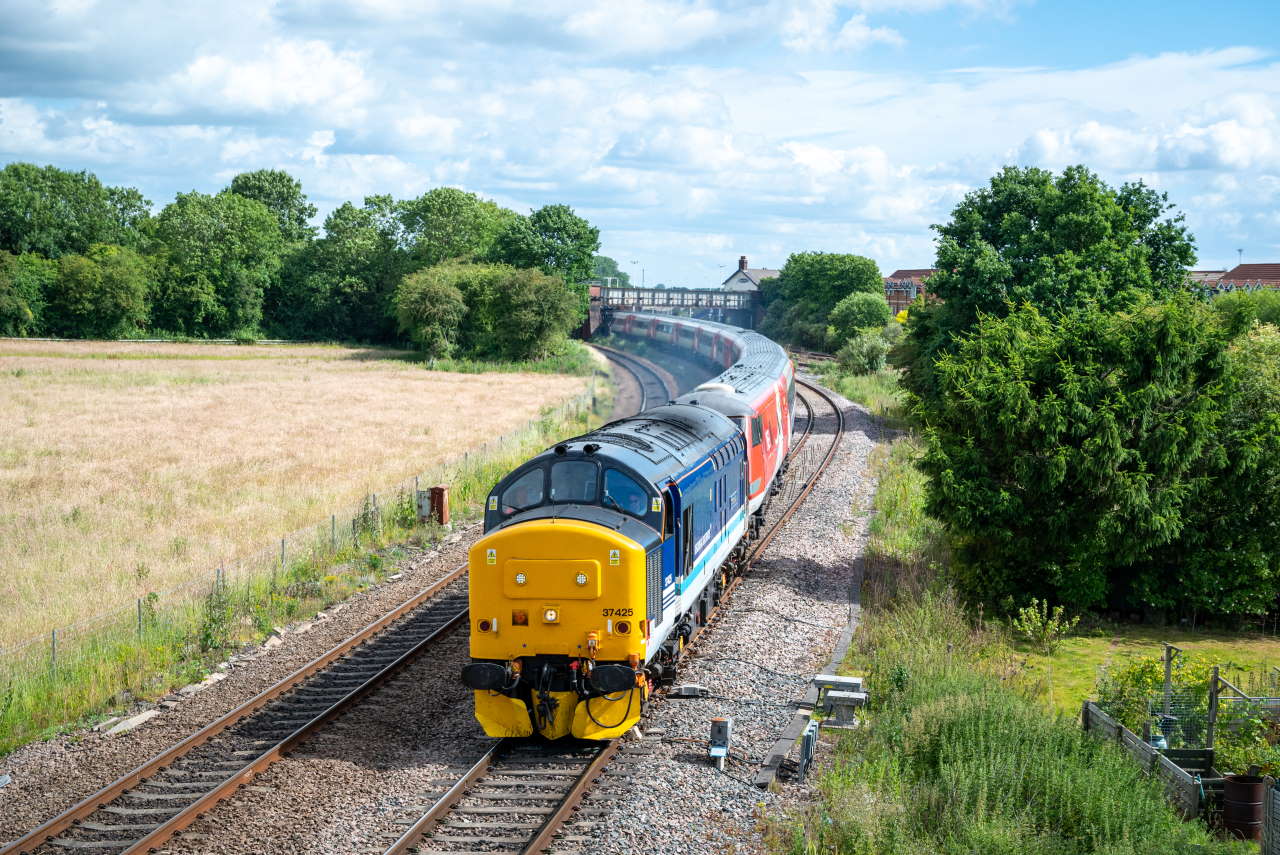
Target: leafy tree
282	195
510	313
129	213
1055	243
858	311
54	212
24	281
447	223
220	253
102	294
342	286
1227	557
556	241
430	308
603	267
798	302
1062	456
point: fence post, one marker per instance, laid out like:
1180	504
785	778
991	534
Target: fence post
377	516
139	617
1084	713
1168	677
1213	709
53	650
333	532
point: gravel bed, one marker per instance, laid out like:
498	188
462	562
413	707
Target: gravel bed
49	777
778	631
351	788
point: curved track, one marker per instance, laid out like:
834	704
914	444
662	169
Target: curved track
654	390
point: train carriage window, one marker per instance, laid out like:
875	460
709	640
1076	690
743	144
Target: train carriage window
524	492
623	493
573	481
757	431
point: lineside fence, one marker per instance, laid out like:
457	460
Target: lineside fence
1182	789
292	568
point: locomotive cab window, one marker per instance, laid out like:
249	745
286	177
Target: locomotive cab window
622	493
524	492
757	431
573	481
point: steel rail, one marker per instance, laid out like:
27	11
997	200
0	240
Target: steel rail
66	820
446	803
631	363
542	839
830	454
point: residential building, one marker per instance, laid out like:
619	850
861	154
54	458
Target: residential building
747	278
901	287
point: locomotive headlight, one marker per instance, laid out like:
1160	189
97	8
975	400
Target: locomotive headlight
521	578
581	578
551	615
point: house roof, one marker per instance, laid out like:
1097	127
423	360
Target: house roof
917	273
755	274
1205	275
1253	272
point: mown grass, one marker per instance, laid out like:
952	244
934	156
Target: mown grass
958	754
176	642
1071	672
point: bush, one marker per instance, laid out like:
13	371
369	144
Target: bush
1043	628
1064	455
863	354
24	281
856	312
100	295
429	309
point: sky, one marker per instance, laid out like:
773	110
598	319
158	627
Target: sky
690	132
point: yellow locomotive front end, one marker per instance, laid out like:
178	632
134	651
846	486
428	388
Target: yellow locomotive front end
557	629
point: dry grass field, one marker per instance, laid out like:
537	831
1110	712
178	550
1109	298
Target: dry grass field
128	468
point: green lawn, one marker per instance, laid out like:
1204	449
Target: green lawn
1069	675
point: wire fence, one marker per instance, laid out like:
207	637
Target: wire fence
270	567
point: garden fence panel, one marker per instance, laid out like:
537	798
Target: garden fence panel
1271	818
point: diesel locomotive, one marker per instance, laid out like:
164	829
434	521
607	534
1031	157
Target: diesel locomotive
602	555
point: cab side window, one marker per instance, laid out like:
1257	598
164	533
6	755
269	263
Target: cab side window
524	492
621	492
757	431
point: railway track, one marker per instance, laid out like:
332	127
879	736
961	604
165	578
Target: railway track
515	799
146	807
521	793
654	390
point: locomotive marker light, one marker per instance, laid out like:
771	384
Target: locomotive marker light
521	578
550	615
581	579
721	734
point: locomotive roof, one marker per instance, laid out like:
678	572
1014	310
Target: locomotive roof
658	444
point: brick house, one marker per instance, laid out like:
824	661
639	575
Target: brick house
901	287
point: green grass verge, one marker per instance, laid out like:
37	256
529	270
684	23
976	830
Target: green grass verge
878	392
105	669
957	754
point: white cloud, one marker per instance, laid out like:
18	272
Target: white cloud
285	75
